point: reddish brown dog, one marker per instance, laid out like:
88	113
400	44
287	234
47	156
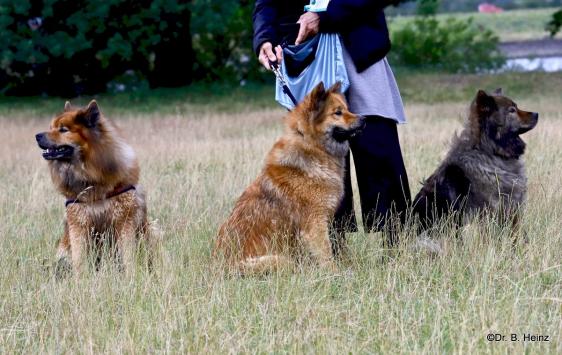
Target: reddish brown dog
97	172
288	208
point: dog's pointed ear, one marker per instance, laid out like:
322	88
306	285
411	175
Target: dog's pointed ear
91	114
481	95
498	91
485	104
317	97
318	92
67	106
336	88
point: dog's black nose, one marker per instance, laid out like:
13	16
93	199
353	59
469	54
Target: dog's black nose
535	115
39	136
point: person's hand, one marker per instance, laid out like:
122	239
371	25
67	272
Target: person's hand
309	26
266	54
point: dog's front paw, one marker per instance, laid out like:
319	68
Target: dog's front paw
427	245
62	268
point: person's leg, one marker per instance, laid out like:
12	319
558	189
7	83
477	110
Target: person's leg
381	177
344	218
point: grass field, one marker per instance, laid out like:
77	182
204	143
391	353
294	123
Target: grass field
198	150
510	25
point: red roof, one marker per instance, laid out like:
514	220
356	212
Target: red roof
489	8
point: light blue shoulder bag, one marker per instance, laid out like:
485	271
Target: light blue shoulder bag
306	65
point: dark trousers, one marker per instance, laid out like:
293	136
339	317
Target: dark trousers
382	181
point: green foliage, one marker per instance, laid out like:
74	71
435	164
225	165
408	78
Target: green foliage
472	5
78	46
427	7
222	40
453	45
81	46
555	24
513	25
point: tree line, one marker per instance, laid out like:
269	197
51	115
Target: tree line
76	47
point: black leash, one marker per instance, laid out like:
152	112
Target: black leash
277	71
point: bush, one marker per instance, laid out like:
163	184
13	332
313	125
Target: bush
409	8
67	48
453	46
427	7
555	24
222	40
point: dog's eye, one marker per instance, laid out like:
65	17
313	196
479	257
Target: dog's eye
338	113
63	129
512	109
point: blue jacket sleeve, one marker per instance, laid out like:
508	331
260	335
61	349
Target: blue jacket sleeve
264	19
340	14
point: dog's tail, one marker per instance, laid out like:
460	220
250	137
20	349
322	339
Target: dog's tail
264	264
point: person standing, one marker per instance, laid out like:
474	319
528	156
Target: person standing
381	176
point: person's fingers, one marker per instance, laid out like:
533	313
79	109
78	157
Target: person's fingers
268	50
279	53
264	60
302	33
266	54
309	25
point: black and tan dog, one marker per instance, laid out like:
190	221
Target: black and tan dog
97	172
483	172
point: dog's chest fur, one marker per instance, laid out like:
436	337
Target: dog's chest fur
314	180
492	178
108	215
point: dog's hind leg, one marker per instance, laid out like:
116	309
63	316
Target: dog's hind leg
264	264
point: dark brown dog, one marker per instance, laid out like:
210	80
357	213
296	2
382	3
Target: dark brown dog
289	206
483	172
97	172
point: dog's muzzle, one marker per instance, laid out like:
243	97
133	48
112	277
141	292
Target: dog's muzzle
52	151
530	125
359	126
343	134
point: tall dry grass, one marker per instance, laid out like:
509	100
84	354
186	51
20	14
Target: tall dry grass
194	166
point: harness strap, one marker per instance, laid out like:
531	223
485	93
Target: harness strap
116	192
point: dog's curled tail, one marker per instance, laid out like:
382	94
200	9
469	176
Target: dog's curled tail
264	264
